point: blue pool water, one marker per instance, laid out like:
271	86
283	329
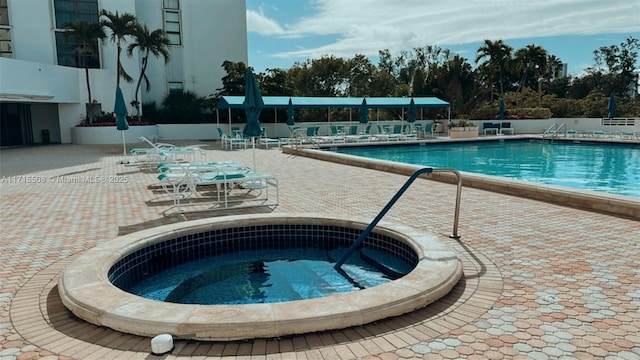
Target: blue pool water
609	168
263	277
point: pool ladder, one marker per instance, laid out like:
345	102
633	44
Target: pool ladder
395	198
553	130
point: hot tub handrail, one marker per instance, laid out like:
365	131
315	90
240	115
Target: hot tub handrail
393	200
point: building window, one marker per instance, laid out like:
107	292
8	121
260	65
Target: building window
171	4
172	21
5	31
70	11
175	87
172	26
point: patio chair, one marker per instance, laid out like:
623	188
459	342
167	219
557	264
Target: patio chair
408	133
506	127
428	129
228	142
490	128
385	134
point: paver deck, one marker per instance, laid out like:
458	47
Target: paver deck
541	280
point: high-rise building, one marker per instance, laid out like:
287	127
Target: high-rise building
43	83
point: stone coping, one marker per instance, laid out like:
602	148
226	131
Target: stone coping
86	291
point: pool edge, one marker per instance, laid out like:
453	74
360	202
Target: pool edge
617	205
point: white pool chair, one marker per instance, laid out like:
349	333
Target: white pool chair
159	152
201	167
230	189
228	142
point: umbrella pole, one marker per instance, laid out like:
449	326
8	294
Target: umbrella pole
124	146
253	143
124	149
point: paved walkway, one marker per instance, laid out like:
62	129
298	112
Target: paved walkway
541	281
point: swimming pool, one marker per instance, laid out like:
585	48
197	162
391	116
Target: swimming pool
609	168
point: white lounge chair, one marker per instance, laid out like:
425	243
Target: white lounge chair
234	188
201	167
266	141
158	152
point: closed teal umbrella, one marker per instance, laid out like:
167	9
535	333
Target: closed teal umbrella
501	110
120	111
412	112
364	112
253	105
290	119
612	106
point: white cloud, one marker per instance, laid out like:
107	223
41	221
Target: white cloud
259	23
366	26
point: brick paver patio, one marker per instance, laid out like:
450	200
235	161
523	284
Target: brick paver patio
541	281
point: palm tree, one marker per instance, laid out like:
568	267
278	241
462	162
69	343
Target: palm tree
121	26
553	64
530	60
498	54
86	36
148	43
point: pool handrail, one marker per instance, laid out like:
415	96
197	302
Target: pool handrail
393	200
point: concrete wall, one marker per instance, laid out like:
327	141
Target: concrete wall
200	132
211	31
31	30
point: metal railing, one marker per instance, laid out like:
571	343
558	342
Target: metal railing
395	198
554	130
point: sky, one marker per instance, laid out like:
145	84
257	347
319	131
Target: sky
282	32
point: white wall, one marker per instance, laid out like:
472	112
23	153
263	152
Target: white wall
32	78
31	30
212	32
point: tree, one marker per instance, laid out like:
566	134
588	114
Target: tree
498	54
360	75
454	81
148	43
618	64
233	83
86	36
530	63
120	27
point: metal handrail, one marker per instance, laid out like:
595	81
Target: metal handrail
553	130
549	130
395	198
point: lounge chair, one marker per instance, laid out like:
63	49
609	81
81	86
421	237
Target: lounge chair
408	133
337	134
158	152
571	133
630	135
228	142
201	167
233	189
384	133
266	141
